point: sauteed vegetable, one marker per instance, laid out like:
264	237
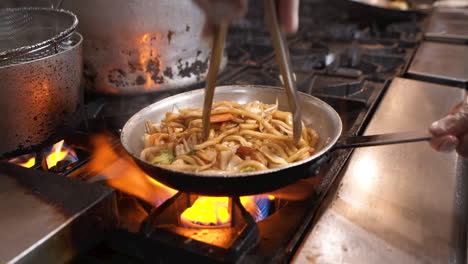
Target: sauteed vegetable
243	138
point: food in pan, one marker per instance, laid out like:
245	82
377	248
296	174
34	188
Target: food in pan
398	4
243	138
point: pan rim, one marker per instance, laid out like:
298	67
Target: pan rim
72	48
330	142
401	11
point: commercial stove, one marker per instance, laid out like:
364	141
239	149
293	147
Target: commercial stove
82	200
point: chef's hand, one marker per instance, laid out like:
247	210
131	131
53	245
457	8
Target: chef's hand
227	10
451	132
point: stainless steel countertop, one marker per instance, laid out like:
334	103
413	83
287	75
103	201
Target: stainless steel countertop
400	203
47	218
448	24
442	62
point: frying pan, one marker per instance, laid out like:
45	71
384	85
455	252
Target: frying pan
379	10
316	114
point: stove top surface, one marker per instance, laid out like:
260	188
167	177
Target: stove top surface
347	63
442	63
448	24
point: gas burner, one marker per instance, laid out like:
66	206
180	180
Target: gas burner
381	47
357	62
306	48
59	158
335	86
256	77
386	63
236	55
336	32
408	31
25	160
308	56
259	51
251	26
224	241
341	88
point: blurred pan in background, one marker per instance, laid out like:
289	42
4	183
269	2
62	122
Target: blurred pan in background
386	10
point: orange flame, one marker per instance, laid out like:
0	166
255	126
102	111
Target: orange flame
207	211
31	160
58	153
28	164
144	57
148	52
213	211
121	173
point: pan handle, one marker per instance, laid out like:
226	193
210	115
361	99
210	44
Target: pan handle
383	139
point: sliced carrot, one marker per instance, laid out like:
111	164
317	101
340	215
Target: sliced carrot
221	118
244	151
154	137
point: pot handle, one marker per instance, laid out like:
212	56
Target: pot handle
383	139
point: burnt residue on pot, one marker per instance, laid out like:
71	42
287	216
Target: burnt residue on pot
197	68
149	64
152	71
168	72
170	33
153	68
118	77
145	67
140	80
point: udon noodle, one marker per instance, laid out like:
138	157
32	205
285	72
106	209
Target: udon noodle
243	138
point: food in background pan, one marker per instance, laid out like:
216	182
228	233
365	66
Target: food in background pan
243	138
398	4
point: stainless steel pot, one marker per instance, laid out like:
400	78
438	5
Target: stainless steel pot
141	45
39	95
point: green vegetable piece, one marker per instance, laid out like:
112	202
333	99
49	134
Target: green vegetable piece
164	158
248	169
192	152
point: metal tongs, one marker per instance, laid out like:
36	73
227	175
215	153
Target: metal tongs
284	64
215	62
